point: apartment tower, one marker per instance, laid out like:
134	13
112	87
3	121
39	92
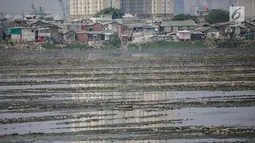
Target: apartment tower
162	9
139	8
84	9
147	9
114	3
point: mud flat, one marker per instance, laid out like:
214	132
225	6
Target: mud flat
174	95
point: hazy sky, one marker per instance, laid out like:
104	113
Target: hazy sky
15	6
54	7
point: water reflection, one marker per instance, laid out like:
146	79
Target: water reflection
126	115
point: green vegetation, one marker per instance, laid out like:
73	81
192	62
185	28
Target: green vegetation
47	45
216	16
116	13
78	46
167	45
182	17
233	43
113	42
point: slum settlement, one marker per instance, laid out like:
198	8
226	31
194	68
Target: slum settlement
129	29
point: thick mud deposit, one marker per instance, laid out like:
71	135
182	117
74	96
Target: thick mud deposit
177	95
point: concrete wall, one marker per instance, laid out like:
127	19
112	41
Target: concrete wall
44	33
122	29
95	27
85	27
69	37
113	27
98	27
15	37
28	34
82	37
54	30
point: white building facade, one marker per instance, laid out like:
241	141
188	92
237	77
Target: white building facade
249	6
84	9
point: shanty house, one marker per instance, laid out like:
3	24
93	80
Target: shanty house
40	23
22	33
90	36
108	34
47	32
116	27
170	26
122	29
209	32
184	35
69	36
93	27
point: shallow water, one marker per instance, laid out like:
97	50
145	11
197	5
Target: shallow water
237	117
29	105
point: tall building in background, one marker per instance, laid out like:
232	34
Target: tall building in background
140	8
162	9
114	3
147	9
249	7
84	9
178	7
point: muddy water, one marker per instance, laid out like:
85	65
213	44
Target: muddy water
128	99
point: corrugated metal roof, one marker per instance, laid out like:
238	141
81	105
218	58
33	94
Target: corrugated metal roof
179	23
90	32
20	28
203	29
42	29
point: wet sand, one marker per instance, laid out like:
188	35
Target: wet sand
177	95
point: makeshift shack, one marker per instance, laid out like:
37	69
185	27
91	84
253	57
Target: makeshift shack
184	35
22	33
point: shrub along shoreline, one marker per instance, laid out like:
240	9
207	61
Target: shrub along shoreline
116	44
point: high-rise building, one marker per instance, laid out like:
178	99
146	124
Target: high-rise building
114	3
149	9
140	8
249	6
178	7
83	9
162	9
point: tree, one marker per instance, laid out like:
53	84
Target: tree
181	17
216	16
116	13
113	42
